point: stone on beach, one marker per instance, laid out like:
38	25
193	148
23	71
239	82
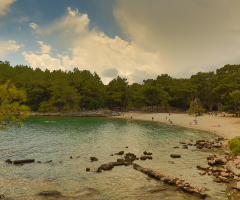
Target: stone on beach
230	166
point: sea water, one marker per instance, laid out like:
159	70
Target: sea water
59	138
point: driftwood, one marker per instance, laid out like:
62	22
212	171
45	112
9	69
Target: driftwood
230	167
23	161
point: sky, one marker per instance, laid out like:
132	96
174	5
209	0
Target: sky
136	39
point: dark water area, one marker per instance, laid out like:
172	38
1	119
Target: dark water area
58	138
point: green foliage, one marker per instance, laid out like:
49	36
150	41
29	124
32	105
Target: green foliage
235	95
234	145
35	108
11	107
195	108
117	92
96	103
61	90
46	106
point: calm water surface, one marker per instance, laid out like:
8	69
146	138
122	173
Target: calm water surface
56	139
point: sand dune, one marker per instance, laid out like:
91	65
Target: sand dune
229	126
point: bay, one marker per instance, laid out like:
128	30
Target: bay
59	138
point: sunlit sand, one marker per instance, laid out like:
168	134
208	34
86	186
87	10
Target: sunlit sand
227	127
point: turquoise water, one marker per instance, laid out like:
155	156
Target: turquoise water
58	138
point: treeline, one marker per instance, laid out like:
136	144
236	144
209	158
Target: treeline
77	89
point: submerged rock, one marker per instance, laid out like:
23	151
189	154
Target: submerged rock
49	193
175	156
120	153
181	183
23	161
93	159
8	161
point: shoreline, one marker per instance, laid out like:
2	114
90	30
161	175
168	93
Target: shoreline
229	126
97	113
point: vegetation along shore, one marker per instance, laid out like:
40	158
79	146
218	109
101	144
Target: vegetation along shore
206	101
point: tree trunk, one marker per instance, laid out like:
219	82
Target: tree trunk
236	109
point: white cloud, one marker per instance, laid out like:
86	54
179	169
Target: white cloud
43	61
93	50
97	52
9	46
33	25
4	6
44	48
190	35
13	46
69	25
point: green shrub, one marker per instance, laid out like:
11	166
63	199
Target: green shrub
35	108
234	145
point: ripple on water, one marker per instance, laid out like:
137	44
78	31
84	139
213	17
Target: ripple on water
59	138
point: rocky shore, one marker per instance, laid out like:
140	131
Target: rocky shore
92	113
223	169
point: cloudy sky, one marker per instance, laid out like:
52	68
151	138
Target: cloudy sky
135	39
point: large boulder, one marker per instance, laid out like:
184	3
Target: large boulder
230	167
204	167
106	166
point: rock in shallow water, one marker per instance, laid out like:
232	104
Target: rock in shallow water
175	156
49	193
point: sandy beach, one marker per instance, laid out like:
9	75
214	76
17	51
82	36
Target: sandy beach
229	126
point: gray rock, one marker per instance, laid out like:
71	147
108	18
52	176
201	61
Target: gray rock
218	180
230	167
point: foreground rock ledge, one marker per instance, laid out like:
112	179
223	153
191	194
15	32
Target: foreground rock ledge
181	183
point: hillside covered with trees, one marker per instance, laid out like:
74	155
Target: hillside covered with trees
77	89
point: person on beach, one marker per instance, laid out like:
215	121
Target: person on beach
190	123
195	121
152	118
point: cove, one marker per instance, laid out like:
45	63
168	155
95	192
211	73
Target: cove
58	138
